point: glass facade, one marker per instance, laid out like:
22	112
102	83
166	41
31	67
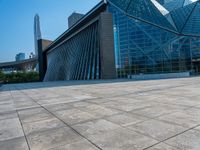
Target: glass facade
77	58
147	43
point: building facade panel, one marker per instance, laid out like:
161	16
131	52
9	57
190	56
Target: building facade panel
142	48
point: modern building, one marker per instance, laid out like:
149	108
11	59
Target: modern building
127	39
73	18
20	57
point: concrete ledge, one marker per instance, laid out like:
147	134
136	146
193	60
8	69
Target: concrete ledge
159	76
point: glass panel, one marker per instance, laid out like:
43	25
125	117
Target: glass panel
180	16
142	48
193	24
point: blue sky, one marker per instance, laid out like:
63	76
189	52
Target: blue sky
16	22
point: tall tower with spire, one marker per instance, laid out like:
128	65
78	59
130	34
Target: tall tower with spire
37	32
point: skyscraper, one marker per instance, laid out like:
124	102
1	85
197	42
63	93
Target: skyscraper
74	18
37	32
20	56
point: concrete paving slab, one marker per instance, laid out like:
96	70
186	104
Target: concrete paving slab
74	116
125	119
31	111
8	115
193	111
94	127
10	128
14	144
189	140
182	118
162	146
81	145
81	104
197	128
98	110
58	107
123	106
98	101
43	125
33	115
157	129
52	138
158	110
57	100
177	100
121	139
5	108
19	105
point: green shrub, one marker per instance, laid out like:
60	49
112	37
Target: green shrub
21	77
1	76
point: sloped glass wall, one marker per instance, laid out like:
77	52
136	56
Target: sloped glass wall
78	58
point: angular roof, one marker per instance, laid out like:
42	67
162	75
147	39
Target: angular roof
144	10
192	25
187	19
175	4
180	15
184	17
164	12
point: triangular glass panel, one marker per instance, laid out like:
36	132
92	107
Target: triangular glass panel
187	2
122	4
192	26
162	10
181	15
173	4
145	10
161	1
169	18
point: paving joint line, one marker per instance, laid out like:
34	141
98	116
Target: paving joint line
64	123
125	127
163	141
23	131
22	126
72	128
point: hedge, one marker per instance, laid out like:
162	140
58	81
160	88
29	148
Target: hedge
19	77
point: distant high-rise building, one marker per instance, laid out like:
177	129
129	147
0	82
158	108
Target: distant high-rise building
73	18
20	56
31	55
37	32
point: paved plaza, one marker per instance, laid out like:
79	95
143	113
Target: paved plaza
107	115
